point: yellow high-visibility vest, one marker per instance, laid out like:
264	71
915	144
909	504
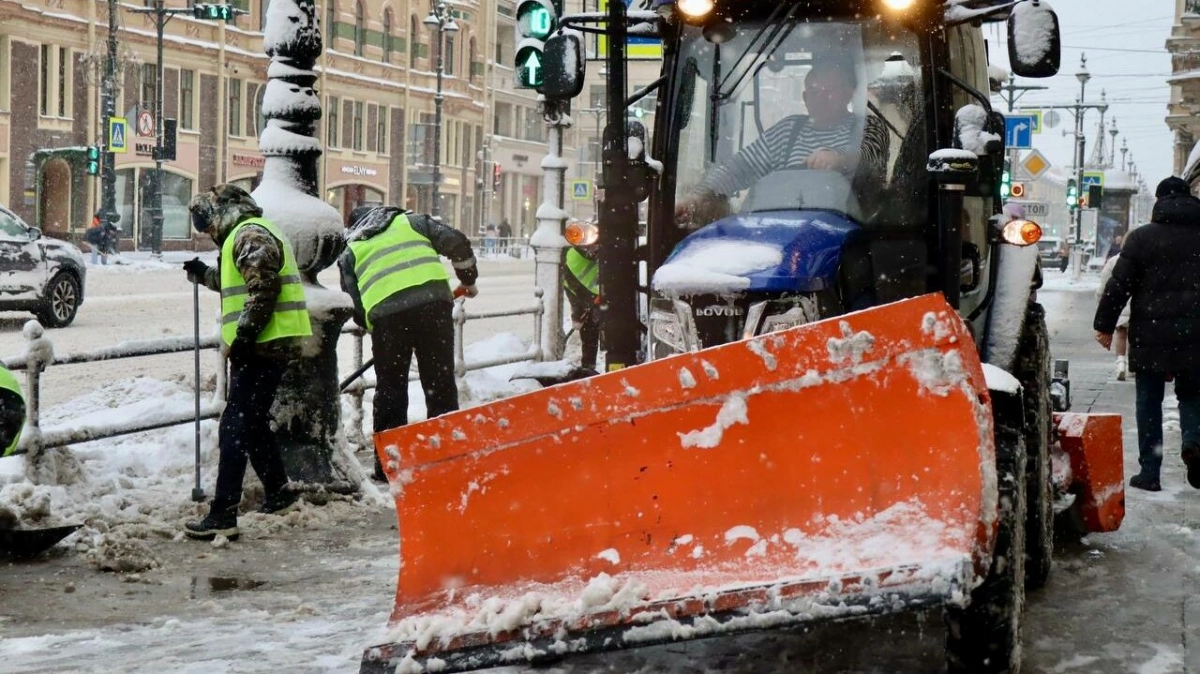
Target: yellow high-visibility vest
290	318
394	260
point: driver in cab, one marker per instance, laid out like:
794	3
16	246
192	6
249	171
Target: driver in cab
823	140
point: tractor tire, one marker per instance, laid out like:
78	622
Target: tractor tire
1033	371
63	297
985	636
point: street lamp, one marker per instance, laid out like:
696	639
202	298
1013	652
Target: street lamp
439	20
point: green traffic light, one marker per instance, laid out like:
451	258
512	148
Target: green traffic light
535	20
529	67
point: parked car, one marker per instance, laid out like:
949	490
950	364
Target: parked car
39	274
1054	252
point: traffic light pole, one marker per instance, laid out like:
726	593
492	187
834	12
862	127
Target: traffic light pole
162	15
108	175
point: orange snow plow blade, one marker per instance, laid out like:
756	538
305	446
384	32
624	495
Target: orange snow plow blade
1089	464
834	470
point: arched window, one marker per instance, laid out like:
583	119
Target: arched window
330	22
387	35
414	43
360	28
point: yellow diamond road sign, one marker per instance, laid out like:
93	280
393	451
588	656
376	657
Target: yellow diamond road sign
1035	164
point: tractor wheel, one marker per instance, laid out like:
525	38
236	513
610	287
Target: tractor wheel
1033	371
985	636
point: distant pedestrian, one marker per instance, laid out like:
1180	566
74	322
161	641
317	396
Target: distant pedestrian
489	238
263	317
1114	249
505	233
401	293
96	237
1120	344
1158	273
112	239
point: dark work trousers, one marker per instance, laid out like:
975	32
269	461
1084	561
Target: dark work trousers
589	338
245	431
1151	388
427	330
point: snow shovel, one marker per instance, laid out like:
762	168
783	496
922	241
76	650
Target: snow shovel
840	469
21	543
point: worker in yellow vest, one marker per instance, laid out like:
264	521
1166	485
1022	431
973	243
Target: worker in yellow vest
581	280
12	412
263	319
401	291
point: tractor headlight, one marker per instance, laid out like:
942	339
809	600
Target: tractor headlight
672	325
776	315
898	5
1021	232
695	10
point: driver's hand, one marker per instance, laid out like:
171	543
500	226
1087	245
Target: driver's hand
698	210
825	160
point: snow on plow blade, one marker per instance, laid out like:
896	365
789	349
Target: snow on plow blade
833	470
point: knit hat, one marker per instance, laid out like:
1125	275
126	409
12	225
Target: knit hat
1172	187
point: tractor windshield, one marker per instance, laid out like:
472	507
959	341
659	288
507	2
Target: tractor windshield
787	115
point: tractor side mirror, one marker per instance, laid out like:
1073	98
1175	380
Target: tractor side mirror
564	69
636	133
1034	39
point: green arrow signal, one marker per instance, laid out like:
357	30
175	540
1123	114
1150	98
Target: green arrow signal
531	70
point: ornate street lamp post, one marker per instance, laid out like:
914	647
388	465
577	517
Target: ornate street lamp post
440	21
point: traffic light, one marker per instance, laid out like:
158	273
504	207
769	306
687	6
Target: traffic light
93	160
1072	193
1095	195
1017	190
170	139
224	13
536	21
1006	180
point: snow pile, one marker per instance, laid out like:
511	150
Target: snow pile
715	267
971	120
733	411
1035	31
1007	320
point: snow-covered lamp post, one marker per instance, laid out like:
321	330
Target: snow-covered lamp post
307	410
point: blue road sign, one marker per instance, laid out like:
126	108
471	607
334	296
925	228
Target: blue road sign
1018	132
1093	178
581	190
118	133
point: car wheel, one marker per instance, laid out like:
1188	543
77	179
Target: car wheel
63	297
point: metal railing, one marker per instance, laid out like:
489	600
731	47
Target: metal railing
39	357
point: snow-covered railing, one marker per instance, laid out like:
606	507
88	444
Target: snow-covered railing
39	355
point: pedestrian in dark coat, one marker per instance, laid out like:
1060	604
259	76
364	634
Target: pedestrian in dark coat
1158	273
263	320
401	292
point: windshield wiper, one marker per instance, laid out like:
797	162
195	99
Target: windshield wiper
767	39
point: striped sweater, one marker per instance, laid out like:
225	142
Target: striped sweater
788	144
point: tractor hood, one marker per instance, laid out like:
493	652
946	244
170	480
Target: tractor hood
777	252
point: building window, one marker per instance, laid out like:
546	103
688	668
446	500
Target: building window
357	125
331	130
187	98
64	62
414	49
149	76
387	36
448	56
360	28
381	129
471	65
330	22
235	107
46	84
262	15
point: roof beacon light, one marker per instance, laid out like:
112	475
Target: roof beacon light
582	234
898	5
695	9
1022	232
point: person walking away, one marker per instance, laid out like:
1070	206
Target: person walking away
1158	274
1120	342
263	318
95	238
489	238
582	284
505	233
12	412
402	297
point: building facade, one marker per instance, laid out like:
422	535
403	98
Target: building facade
1183	111
377	82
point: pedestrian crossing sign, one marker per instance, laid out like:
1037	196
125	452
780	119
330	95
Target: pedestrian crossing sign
118	129
581	190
